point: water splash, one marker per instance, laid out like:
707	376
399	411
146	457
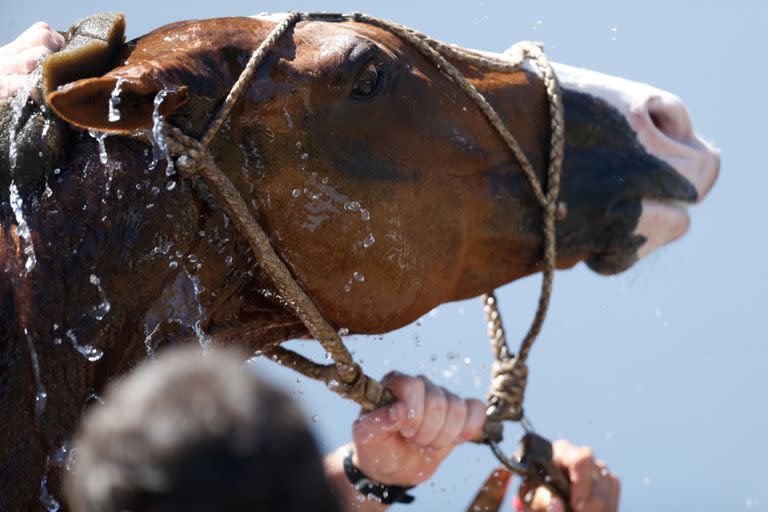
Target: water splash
93	396
202	338
22	228
62	458
148	343
17	103
100	311
114	101
160	146
88	351
41	395
46	500
101	138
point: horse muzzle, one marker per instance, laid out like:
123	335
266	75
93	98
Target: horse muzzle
664	129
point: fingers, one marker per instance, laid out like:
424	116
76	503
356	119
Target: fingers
24	62
379	424
475	421
433	416
410	392
20	57
606	489
435	410
11	84
455	418
39	34
579	463
593	487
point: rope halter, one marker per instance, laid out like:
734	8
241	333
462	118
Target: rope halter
345	377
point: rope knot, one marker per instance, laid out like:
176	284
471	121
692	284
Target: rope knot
507	391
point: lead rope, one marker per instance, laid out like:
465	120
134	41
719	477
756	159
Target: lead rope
345	377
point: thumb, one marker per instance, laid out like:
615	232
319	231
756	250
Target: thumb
378	425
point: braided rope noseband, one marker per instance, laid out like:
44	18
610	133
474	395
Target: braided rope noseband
345	377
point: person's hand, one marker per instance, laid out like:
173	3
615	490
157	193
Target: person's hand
593	487
20	58
403	444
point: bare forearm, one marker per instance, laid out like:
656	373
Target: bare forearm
349	497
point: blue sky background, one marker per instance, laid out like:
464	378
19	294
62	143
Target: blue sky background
661	369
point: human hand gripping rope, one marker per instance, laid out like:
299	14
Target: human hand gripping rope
345	377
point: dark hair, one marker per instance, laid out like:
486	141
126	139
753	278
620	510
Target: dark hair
196	431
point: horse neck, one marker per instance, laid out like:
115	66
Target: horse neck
160	252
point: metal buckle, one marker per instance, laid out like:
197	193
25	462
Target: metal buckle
533	461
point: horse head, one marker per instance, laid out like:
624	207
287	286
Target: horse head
382	185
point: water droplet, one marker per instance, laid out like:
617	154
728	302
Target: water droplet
352	206
90	352
304	157
160	148
296	193
101	138
104	307
369	241
365	215
358	277
114	101
298	146
343	331
228	261
22	228
333	384
45	499
173	264
411	414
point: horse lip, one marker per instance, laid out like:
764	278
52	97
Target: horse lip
679	190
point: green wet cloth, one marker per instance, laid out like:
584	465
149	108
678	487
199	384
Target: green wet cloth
91	46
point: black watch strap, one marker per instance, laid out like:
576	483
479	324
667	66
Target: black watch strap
386	494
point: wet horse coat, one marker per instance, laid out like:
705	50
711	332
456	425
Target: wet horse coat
380	185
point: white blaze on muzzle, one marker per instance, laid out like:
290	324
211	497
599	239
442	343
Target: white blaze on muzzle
664	129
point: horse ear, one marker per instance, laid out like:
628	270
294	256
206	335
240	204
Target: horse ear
115	104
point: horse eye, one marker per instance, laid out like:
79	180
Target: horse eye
366	83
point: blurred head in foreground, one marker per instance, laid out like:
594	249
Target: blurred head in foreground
192	431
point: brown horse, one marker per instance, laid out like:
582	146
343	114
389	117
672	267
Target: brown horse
380	184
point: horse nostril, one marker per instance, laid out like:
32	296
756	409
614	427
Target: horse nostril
670	117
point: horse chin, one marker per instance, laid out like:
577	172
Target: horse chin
612	262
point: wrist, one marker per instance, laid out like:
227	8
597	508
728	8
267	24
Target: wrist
371	488
349	497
